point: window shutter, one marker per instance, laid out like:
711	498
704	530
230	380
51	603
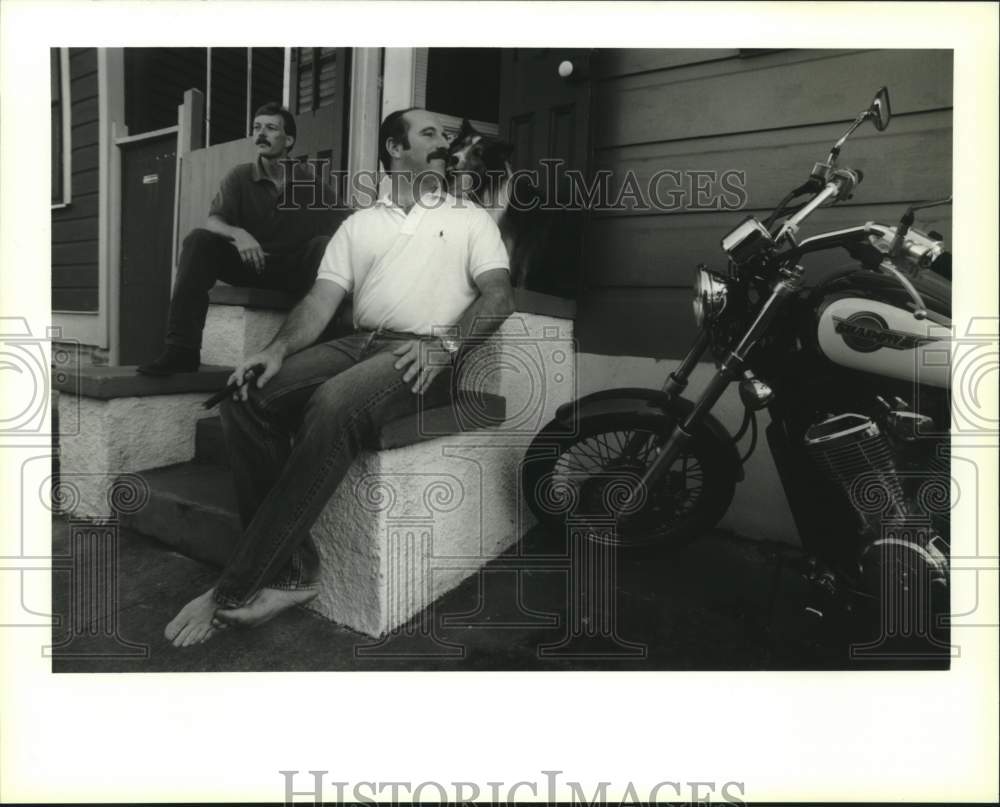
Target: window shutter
317	78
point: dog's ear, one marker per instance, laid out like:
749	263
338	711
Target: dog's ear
465	130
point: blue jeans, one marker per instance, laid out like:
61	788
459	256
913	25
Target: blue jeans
293	441
206	257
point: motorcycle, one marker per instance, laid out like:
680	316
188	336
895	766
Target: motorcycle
851	376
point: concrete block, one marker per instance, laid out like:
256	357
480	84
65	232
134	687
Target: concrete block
408	524
234	331
531	362
103	439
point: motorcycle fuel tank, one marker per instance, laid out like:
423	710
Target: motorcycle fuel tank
864	323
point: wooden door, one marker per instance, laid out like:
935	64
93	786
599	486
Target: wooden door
541	113
547	117
148	169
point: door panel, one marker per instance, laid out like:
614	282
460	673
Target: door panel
148	169
545	116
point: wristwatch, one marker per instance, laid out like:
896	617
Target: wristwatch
451	345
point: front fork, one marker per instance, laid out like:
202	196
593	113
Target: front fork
730	370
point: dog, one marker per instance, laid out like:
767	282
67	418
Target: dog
542	241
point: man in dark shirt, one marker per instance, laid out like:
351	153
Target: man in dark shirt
249	238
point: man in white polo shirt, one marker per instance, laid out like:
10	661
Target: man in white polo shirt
429	275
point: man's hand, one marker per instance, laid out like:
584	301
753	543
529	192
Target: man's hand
271	360
423	360
249	249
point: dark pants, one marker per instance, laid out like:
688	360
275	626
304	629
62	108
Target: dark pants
207	257
293	441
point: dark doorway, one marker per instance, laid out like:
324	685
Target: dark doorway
464	82
545	115
148	169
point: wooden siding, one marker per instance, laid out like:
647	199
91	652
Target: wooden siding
75	228
769	116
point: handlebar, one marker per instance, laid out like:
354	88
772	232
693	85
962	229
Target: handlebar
917	248
841	186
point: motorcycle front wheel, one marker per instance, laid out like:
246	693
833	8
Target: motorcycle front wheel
581	481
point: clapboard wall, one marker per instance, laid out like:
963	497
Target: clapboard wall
770	115
74	227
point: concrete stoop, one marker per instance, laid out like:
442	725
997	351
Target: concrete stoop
433	501
405	526
409	524
113	422
241	321
530	361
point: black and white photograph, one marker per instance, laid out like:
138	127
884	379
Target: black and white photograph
442	362
515	355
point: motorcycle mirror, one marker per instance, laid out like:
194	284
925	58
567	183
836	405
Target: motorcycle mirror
880	111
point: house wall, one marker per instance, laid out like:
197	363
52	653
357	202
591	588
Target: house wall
75	226
769	115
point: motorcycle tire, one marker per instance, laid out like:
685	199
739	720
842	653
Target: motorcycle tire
576	480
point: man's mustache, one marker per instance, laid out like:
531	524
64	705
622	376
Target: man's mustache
263	141
442	154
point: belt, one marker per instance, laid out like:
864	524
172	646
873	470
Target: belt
385	333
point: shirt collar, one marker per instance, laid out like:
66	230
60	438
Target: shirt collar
385	198
258	173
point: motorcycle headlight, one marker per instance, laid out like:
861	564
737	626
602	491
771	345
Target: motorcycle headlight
710	291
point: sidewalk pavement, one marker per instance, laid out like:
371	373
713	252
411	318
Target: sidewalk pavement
706	606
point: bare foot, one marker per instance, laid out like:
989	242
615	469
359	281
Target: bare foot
265	604
195	621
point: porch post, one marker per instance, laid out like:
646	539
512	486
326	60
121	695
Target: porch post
399	76
191	122
111	115
362	149
190	136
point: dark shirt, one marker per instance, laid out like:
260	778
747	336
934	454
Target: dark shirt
281	219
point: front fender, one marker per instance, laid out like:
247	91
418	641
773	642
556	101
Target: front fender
642	401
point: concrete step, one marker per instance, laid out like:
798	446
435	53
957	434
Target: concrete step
113	422
122	381
468	413
243	320
191	508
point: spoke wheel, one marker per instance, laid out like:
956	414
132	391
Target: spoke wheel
585	482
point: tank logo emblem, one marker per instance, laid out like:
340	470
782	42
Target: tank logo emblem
866	332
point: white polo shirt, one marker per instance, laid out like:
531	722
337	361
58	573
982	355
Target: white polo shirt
413	271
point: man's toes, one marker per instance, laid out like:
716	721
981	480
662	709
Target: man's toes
180	639
175	626
201	633
192	636
208	634
231	617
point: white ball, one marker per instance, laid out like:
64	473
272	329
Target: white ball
565	69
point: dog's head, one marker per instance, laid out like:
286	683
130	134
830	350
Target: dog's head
479	162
